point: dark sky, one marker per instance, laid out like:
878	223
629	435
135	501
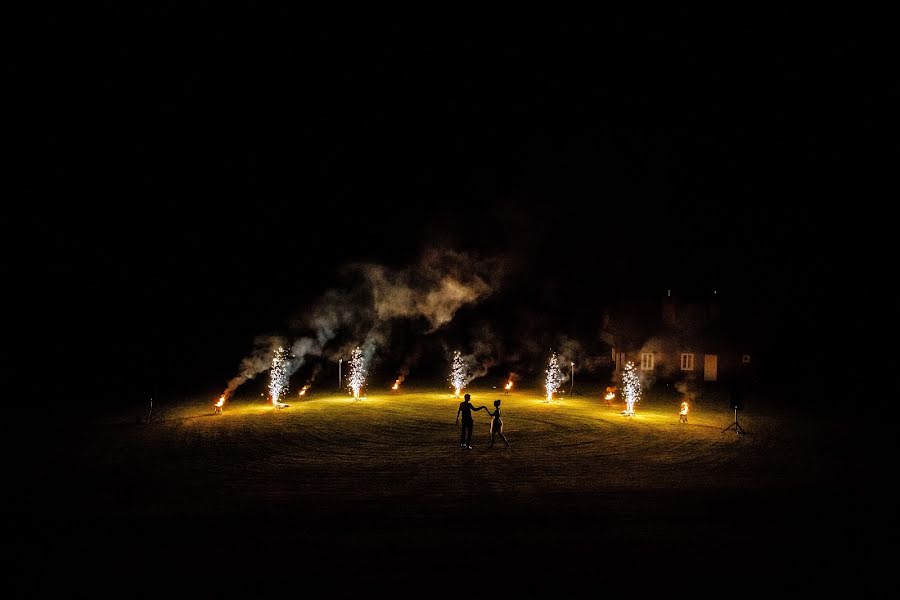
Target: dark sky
190	180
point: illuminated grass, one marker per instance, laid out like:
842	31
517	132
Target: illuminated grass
406	444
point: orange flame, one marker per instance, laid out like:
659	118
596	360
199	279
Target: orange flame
684	408
508	385
396	385
221	401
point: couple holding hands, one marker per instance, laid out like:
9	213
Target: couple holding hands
466	409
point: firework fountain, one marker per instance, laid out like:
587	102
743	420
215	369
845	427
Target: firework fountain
631	388
278	377
218	405
554	377
357	375
683	413
459	373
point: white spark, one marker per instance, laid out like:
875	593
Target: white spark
459	373
631	388
278	376
357	372
554	377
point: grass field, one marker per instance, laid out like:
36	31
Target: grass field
378	491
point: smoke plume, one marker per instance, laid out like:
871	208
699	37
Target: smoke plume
485	348
258	361
432	290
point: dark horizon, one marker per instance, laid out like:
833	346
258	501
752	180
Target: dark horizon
198	191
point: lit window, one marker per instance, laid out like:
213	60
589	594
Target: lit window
646	361
745	359
687	362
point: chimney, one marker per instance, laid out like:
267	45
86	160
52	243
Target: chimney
712	307
668	309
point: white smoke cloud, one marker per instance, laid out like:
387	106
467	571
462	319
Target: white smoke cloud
258	361
434	289
485	349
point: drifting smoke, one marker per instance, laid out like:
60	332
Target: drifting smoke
469	367
302	348
688	391
435	289
258	361
312	378
401	377
571	351
411	358
432	290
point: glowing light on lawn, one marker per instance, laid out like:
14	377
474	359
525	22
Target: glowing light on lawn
400	377
278	375
610	394
303	390
459	373
684	409
357	372
221	401
631	388
554	377
508	385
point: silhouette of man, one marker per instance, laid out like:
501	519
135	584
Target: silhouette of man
465	435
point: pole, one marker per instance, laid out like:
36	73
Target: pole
340	360
572	388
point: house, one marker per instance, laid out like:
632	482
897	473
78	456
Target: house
680	339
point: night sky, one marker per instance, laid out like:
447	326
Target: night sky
193	180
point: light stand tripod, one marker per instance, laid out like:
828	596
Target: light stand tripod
736	426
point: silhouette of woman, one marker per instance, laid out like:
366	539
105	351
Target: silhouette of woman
497	424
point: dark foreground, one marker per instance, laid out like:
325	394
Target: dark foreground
339	498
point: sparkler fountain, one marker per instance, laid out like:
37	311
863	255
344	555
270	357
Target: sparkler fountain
682	418
459	373
278	377
357	375
631	388
554	377
219	404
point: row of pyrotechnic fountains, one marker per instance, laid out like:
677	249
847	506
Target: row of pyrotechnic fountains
460	376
